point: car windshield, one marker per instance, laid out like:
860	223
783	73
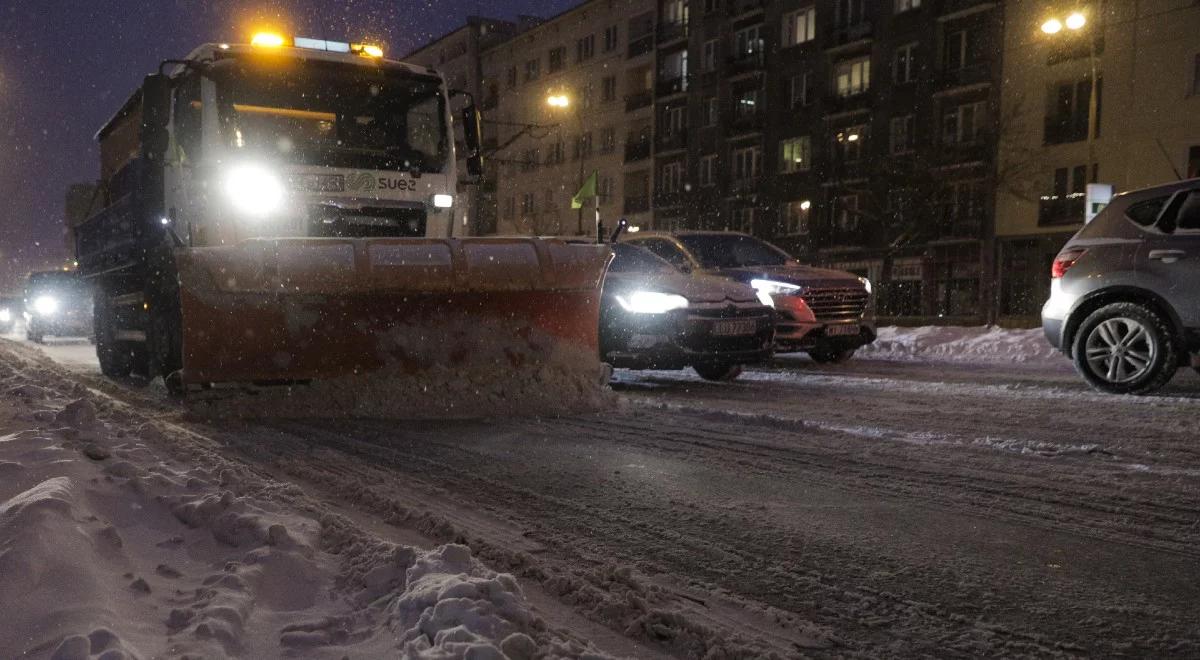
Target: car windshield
633	259
59	282
733	251
336	115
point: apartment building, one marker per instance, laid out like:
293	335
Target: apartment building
858	134
1145	130
571	96
457	56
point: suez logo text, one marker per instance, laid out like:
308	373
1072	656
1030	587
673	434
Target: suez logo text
357	182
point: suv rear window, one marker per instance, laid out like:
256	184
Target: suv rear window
1145	213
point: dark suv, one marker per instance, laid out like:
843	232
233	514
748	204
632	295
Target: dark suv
823	312
1125	291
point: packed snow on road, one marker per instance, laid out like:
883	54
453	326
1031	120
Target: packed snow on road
956	492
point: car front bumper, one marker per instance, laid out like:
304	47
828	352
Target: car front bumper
684	338
799	329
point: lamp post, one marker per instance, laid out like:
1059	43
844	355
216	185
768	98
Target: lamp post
563	102
1075	22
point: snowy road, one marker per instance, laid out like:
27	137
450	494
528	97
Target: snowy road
872	509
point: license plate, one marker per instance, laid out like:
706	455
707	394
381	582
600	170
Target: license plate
734	328
841	330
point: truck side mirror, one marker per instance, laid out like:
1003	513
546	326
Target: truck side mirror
472	138
156	113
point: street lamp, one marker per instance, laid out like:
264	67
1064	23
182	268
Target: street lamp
558	101
563	102
1075	22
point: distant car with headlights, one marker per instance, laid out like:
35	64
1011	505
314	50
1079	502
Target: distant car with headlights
57	303
654	317
10	309
823	312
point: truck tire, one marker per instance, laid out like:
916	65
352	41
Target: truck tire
719	372
831	356
34	333
1126	348
115	357
164	341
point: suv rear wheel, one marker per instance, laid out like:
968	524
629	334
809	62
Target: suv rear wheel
1125	348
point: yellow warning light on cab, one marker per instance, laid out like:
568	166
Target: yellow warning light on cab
267	40
367	50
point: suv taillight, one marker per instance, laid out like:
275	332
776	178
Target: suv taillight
1064	261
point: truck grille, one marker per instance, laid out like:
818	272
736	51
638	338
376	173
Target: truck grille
367	222
830	305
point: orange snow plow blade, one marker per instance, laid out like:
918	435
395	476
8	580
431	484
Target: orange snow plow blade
269	310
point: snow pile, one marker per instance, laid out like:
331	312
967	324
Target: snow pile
984	344
124	538
461	371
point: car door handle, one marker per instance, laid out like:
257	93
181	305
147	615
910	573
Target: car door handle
1167	256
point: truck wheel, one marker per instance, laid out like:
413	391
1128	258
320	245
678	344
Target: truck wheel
720	372
831	356
115	357
34	333
164	341
1125	348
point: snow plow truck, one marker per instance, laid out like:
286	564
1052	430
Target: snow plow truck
283	210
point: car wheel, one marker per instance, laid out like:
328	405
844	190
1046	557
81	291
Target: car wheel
1125	348
115	357
722	372
830	356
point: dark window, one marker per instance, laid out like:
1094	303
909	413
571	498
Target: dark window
1188	216
585	48
187	119
1067	117
556	59
610	38
1145	213
1196	76
1193	169
850	12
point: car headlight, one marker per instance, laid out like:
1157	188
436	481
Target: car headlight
45	305
651	302
768	289
5	315
866	285
254	190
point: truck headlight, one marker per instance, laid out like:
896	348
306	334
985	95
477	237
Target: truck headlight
651	302
45	305
254	190
768	289
866	285
5	315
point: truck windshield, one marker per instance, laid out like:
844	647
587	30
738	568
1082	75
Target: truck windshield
335	115
733	251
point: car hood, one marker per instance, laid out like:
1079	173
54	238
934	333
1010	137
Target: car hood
795	273
696	288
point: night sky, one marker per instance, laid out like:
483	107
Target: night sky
66	67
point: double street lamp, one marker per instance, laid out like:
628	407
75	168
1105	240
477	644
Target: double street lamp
1075	22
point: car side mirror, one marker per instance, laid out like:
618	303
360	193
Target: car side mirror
473	139
156	114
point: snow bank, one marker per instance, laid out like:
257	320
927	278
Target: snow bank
124	538
984	344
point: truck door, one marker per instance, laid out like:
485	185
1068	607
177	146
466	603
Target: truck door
183	155
1169	259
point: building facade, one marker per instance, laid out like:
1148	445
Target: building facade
1145	129
568	97
856	134
458	56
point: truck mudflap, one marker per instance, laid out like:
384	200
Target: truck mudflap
269	310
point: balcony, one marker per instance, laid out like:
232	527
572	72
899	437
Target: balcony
838	103
748	122
745	184
639	204
669	32
744	8
849	34
1062	209
853	235
746	63
671	86
973	74
639	149
1064	129
639	100
668	198
956	6
673	141
641	45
